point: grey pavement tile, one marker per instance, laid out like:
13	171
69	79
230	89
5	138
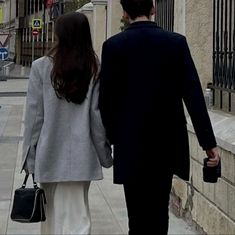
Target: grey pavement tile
103	219
4	210
2	126
23	231
10	139
107	204
22	228
16	109
121	217
7	149
113	194
14	85
6	184
12	100
108	174
4	114
12	225
20	70
5	192
14	122
178	226
98	204
105	225
19	160
4	206
19	180
8	156
3	223
13	127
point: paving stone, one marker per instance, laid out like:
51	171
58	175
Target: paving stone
107	204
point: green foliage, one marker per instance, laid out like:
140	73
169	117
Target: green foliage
124	24
74	5
71	6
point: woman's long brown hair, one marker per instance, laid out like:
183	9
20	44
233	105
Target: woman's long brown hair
74	60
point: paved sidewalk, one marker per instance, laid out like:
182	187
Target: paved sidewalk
20	71
17	72
107	203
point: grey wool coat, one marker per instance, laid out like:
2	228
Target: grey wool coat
63	141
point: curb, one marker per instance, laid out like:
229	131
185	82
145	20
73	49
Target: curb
13	94
5	78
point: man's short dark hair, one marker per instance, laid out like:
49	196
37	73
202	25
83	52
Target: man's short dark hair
135	8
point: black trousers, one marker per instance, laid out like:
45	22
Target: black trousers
147	205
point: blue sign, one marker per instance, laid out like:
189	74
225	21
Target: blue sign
3	53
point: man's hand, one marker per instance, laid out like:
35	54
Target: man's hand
213	155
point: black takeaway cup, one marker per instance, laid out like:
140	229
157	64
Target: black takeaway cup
211	174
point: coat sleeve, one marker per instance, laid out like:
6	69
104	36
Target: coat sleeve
110	84
98	132
34	116
106	104
194	99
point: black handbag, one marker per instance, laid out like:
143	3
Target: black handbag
28	203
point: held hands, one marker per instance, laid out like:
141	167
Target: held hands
213	155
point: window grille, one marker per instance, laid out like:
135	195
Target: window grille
165	14
223	83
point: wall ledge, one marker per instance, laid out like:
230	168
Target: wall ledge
223	126
87	7
99	2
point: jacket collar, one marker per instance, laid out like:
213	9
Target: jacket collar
142	24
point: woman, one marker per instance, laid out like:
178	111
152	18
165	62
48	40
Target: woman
64	140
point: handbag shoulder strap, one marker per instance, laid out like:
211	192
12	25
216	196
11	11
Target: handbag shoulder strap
25	181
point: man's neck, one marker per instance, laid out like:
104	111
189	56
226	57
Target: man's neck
139	18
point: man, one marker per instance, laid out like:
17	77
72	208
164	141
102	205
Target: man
146	74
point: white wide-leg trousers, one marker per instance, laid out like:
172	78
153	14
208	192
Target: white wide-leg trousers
67	208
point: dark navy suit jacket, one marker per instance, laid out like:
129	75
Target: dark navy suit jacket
146	74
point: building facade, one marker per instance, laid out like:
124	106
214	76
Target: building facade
7	25
25	43
31	42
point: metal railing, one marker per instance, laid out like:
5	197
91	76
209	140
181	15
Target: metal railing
165	14
223	83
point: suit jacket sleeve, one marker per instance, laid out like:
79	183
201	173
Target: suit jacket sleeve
34	117
194	99
98	133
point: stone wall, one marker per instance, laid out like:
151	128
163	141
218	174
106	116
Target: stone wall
194	19
210	206
88	11
99	24
179	16
105	20
114	17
